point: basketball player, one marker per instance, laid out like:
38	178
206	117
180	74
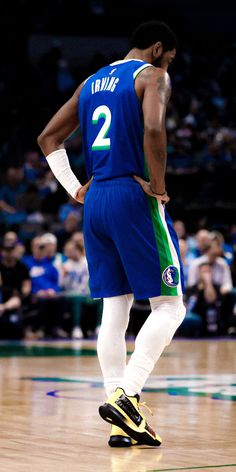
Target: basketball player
131	246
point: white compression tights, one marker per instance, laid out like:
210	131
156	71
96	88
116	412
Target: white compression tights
156	333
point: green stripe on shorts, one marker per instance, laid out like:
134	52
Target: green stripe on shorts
162	245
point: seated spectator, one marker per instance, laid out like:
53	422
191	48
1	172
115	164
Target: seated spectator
220	269
205	300
31	204
221	278
11	326
44	275
49	241
69	249
33	166
15	274
75	271
9	195
86	312
180	229
71	206
75	282
45	290
70	227
47	184
15	291
78	238
10	237
201	244
227	249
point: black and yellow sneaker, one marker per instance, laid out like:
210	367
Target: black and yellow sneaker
119	438
123	411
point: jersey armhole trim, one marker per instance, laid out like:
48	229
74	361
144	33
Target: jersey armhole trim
88	78
137	72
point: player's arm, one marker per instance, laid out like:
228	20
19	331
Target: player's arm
156	94
51	142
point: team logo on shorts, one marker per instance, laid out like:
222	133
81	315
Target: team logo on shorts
170	276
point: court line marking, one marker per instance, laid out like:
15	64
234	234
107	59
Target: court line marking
194	468
222	388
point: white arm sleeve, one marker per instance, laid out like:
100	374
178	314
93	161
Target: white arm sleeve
59	164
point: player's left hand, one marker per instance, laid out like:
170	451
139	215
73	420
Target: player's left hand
146	186
82	191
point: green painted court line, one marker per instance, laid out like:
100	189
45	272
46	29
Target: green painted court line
44	351
194	468
24	350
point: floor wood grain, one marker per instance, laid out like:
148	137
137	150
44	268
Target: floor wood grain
50	393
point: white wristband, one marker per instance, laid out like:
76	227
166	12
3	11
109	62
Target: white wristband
59	164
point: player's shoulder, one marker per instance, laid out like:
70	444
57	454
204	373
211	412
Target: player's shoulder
152	72
152	75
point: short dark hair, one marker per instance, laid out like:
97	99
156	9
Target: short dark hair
151	32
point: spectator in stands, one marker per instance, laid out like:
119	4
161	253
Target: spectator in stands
75	271
33	166
227	249
43	274
70	227
49	241
221	278
47	184
180	229
45	290
86	312
30	202
10	237
71	206
78	238
14	273
69	249
75	282
15	291
202	242
9	194
11	326
220	270
205	300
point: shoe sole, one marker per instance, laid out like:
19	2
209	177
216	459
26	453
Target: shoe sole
112	416
119	441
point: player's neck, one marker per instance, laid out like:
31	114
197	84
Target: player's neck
141	54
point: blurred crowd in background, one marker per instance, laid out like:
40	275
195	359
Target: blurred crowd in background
45	286
43	270
201	168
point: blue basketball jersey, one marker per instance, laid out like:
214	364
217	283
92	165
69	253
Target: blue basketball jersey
111	120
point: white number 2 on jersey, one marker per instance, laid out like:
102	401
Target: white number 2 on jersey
101	141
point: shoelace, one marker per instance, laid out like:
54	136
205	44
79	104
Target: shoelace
144	404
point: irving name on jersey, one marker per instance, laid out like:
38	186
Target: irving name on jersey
104	84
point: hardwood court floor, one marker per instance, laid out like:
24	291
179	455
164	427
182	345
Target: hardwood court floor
50	393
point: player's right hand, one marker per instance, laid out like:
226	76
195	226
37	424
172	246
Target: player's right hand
146	186
82	191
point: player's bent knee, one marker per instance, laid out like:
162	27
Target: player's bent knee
177	317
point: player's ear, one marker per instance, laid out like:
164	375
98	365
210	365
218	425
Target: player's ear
157	50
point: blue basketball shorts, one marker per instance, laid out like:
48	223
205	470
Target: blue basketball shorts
131	245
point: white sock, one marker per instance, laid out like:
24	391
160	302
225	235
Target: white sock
111	345
156	333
